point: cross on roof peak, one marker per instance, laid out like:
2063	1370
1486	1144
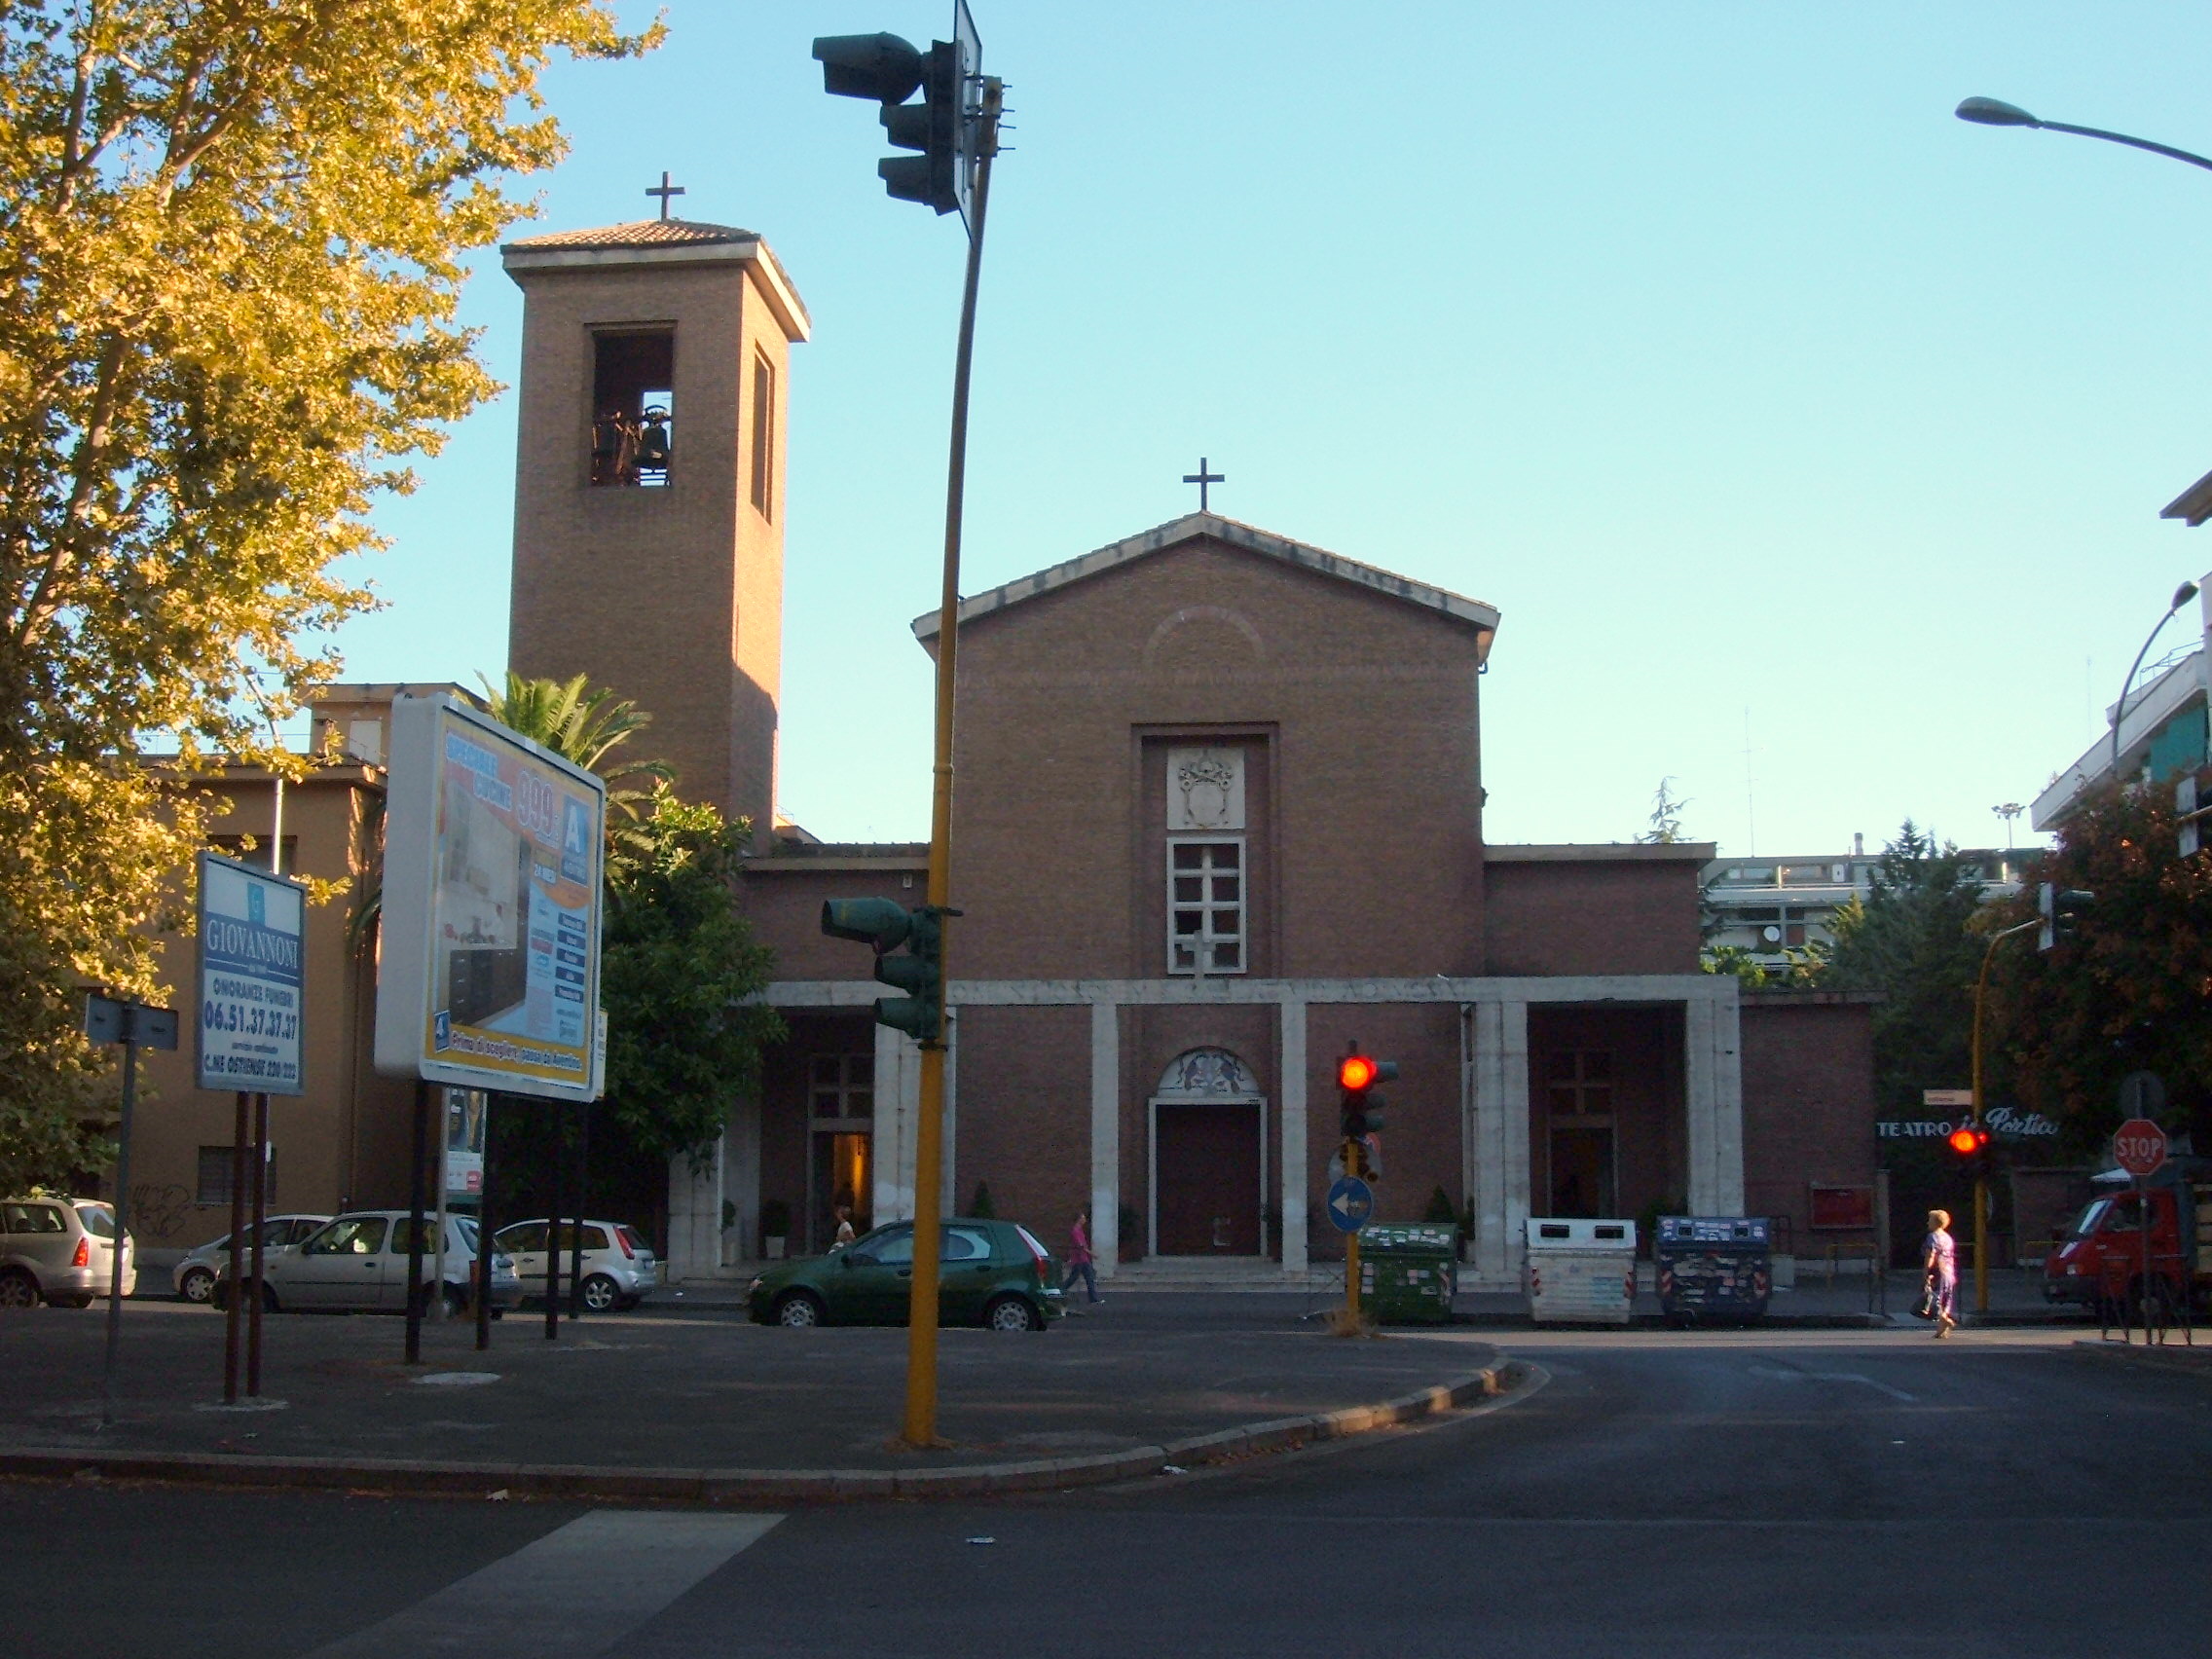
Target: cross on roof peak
1202	478
664	190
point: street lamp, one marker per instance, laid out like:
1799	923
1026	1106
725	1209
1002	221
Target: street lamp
1994	112
2182	596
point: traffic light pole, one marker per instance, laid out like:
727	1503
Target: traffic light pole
928	1138
1981	1179
1351	1251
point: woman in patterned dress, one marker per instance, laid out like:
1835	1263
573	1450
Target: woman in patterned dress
1938	1257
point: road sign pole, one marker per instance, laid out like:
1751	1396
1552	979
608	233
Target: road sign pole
2143	1218
1352	1277
130	1017
232	1300
260	1254
414	1207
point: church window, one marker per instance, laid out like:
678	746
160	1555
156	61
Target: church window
763	435
633	407
1206	906
1581	1081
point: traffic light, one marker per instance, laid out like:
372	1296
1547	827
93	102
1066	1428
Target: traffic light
1357	1074
1970	1142
945	125
887	925
2059	907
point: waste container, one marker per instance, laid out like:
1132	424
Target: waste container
1713	1266
1580	1271
1407	1275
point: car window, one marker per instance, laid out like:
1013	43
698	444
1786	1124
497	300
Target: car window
403	1235
895	1249
1030	1239
295	1232
966	1244
595	1238
98	1220
35	1217
464	1228
350	1235
523	1235
631	1238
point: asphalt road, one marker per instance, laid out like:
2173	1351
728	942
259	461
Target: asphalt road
1818	1494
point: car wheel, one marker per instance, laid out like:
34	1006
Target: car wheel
601	1293
1012	1313
800	1309
198	1286
18	1289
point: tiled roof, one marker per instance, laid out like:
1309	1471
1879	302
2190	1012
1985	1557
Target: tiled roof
643	232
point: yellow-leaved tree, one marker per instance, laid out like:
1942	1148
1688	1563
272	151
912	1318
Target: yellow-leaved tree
231	244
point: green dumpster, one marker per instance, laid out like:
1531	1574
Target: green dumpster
1407	1275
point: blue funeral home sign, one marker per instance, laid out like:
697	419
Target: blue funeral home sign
1352	1202
253	946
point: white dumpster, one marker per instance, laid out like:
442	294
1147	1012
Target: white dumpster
1582	1272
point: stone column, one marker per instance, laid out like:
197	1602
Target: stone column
1714	1076
1500	1132
695	1217
1106	1136
740	1181
1291	1069
898	1098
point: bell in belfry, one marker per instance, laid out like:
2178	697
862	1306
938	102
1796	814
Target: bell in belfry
653	448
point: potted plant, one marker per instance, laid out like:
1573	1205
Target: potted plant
775	1227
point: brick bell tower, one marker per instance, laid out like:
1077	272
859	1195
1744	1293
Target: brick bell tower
648	546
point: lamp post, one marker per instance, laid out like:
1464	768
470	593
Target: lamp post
1994	112
2182	596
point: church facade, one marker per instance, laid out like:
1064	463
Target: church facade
1218	814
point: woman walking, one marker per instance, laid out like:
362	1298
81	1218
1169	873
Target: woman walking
1939	1259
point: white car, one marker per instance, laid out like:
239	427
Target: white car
357	1263
60	1250
194	1276
619	1268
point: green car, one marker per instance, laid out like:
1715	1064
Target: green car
990	1272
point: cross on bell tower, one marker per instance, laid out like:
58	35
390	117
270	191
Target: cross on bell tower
664	190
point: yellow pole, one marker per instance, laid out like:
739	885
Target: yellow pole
1980	1184
920	1427
1351	1245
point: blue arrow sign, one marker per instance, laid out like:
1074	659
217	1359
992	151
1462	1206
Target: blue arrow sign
1352	1203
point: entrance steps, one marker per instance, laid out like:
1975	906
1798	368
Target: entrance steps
1220	1274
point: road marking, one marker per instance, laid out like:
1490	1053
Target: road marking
1778	1375
572	1594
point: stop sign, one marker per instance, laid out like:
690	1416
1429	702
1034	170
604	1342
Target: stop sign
2138	1146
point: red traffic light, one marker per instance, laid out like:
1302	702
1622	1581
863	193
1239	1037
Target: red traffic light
1355	1071
1966	1140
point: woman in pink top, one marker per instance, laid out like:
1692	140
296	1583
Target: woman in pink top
1079	1257
1940	1258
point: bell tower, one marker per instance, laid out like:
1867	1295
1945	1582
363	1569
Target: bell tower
648	548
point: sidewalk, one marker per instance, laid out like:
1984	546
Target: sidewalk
651	1406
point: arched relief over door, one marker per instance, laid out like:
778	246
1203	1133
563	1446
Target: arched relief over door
1207	1158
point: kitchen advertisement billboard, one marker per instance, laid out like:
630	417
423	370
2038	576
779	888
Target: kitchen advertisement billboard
489	970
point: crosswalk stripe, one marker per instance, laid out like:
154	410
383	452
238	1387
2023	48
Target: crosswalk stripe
572	1594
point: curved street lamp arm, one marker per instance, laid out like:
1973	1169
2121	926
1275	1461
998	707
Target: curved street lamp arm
2193	161
2120	709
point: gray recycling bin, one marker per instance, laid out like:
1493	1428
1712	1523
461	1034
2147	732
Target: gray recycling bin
1713	1266
1407	1275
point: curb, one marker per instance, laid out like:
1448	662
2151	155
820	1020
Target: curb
2182	1361
400	1476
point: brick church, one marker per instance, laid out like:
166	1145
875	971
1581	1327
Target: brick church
1218	813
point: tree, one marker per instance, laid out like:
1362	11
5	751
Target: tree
230	251
2130	989
1915	939
1666	816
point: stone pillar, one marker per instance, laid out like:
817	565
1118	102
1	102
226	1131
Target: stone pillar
1106	1136
740	1181
1714	1110
1500	1134
898	1098
1291	1066
695	1217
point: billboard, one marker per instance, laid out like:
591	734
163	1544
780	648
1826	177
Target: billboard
489	976
252	980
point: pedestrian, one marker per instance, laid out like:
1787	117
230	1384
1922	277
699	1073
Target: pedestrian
1080	1265
1939	1260
844	1215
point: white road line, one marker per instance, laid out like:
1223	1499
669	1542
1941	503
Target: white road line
1780	1376
572	1594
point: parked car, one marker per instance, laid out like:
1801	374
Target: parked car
357	1263
990	1273
619	1268
194	1276
60	1250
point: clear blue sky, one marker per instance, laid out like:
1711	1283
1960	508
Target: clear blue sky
1699	339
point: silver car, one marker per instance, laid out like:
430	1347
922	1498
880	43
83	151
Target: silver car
60	1250
619	1268
357	1263
194	1276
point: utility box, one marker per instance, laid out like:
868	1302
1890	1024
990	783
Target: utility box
1713	1266
1580	1271
1407	1275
